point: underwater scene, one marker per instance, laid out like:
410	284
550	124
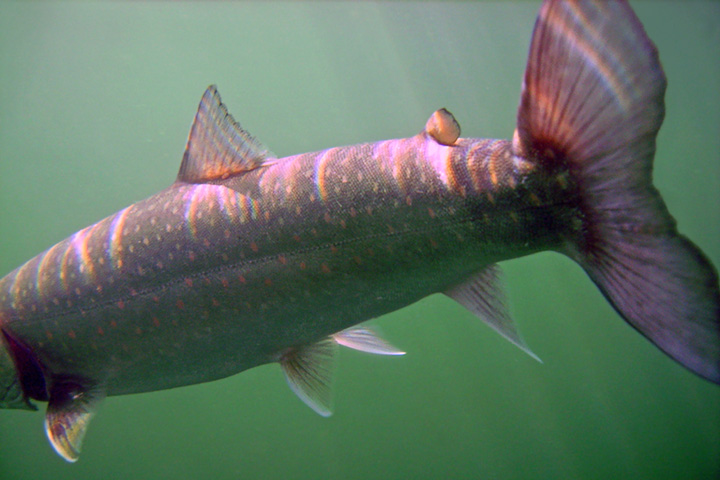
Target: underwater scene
96	102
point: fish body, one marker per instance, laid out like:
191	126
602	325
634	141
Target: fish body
201	281
249	259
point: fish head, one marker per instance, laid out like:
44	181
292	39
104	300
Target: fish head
12	393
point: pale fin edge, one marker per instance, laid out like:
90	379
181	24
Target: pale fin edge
484	296
309	369
70	409
365	339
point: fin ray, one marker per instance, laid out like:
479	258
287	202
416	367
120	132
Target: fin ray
218	147
592	104
365	339
70	409
309	371
484	296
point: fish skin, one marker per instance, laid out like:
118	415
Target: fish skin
202	281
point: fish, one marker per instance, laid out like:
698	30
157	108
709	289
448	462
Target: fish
248	259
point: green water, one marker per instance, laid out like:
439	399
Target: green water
95	104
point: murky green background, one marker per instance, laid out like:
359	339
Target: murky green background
95	104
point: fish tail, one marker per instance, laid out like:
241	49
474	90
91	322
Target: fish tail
591	106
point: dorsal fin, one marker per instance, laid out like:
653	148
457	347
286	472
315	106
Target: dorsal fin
217	146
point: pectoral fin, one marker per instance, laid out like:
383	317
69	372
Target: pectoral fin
70	409
483	295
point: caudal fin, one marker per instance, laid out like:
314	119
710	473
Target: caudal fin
592	104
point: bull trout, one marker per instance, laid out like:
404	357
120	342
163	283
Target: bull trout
247	259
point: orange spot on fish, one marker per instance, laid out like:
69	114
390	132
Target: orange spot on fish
100	331
180	304
189	282
71	334
254	246
333	249
113	323
325	268
156	322
156	299
120	304
242	279
268	282
191	256
138	330
225	282
296	237
431	212
282	260
302	266
215	302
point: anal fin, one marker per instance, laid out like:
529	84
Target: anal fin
70	409
484	296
